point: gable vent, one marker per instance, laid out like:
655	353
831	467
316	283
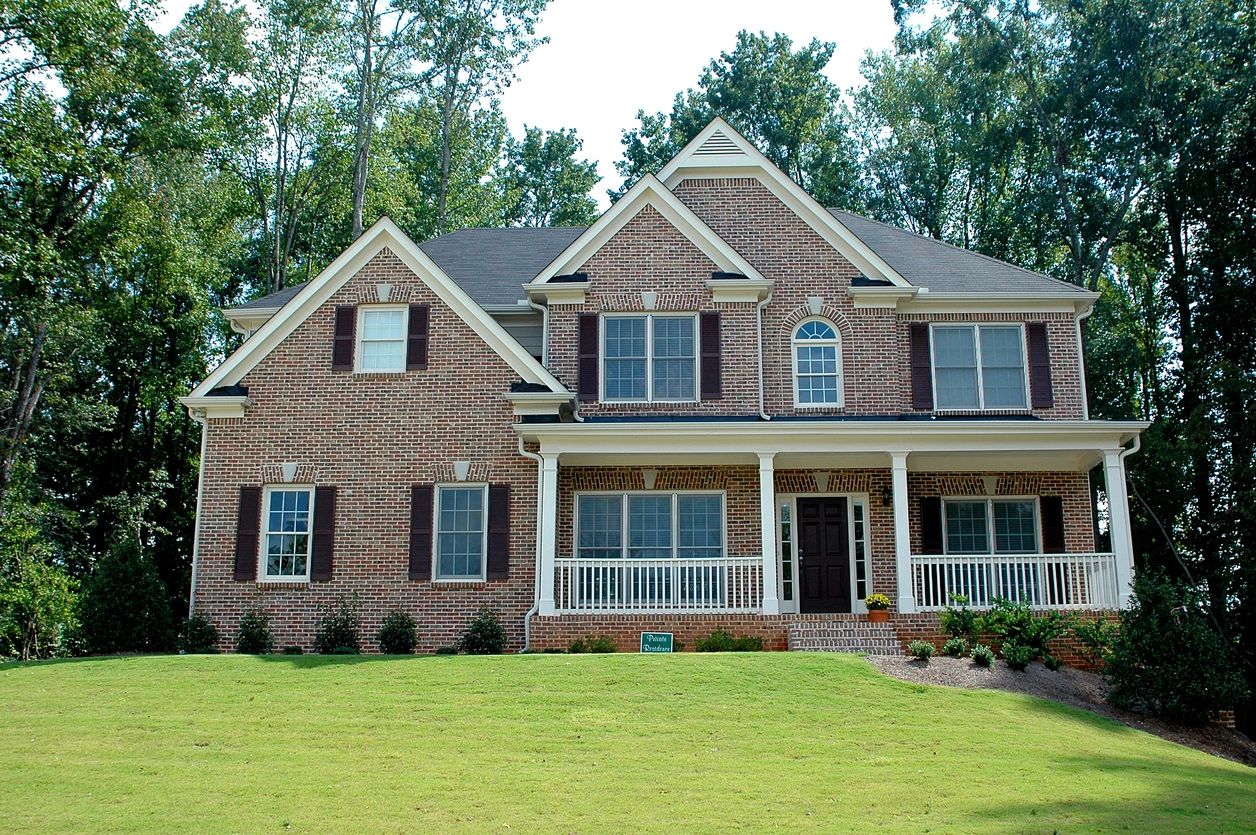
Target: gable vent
718	145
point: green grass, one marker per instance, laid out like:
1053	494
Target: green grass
772	741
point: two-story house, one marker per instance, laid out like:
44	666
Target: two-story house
722	405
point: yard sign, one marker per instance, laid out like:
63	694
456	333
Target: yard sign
656	642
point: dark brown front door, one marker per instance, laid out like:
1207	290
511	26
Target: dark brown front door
824	555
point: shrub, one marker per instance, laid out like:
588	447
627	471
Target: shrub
446	650
1094	639
1052	663
958	620
38	599
1166	658
876	601
1017	655
920	650
721	641
198	636
254	637
125	607
293	650
337	630
595	644
1015	623
398	634
956	647
982	655
484	635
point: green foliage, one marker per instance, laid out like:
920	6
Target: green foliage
398	633
877	601
293	650
722	641
1052	663
338	627
1017	655
955	647
958	620
253	636
1016	623
37	597
545	184
982	655
125	607
920	650
484	635
1095	638
592	643
1167	659
446	650
198	636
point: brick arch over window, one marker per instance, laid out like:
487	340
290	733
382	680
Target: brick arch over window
805	379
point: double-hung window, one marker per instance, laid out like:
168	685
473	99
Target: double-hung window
650	525
817	365
649	358
993	526
382	338
461	532
979	367
286	538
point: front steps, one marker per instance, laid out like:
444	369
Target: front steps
858	636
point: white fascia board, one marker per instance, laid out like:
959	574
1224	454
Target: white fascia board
739	289
246	320
752	163
209	408
1076	303
880	297
383	233
647	191
558	292
537	402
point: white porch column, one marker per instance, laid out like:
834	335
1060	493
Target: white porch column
547	525
902	534
1119	523
767	531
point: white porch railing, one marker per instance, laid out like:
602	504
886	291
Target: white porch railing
1044	581
724	584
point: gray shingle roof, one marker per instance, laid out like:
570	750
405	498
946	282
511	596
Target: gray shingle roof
490	264
274	299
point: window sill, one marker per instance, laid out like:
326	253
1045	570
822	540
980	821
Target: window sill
294	582
1012	411
453	585
401	373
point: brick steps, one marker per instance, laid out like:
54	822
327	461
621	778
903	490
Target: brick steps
859	637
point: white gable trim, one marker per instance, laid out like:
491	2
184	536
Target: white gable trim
647	191
383	234
720	151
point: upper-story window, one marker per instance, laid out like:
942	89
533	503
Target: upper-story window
979	367
382	338
651	358
817	365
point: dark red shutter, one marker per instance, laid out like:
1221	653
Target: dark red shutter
342	342
416	343
421	531
921	367
324	533
586	367
931	525
248	532
709	324
1052	508
1040	396
498	531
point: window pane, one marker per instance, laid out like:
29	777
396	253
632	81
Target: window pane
649	527
1002	368
966	531
287	533
701	526
383	356
460	532
817	374
625	336
815	330
674	359
624	365
955	368
600	520
1015	528
383	324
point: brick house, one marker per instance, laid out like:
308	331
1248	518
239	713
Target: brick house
720	406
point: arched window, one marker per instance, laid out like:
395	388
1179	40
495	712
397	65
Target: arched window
817	365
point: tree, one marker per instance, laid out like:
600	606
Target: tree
124	606
37	596
545	184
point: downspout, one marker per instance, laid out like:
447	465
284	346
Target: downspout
758	325
543	309
536	574
196	527
1081	361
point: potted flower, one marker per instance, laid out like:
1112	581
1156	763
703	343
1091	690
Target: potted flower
878	607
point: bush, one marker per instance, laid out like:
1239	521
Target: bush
338	628
293	650
721	641
1052	663
1166	658
956	647
1094	639
198	636
484	635
958	620
398	634
1017	655
125	607
446	650
254	637
920	650
982	655
594	644
38	599
1015	623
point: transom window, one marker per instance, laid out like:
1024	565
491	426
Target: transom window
460	532
382	339
817	365
286	539
998	526
649	358
649	525
979	367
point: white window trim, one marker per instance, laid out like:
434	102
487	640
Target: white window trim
857	605
460	485
264	537
359	338
981	388
623	520
990	502
836	342
649	357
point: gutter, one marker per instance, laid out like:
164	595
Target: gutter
1081	359
536	573
196	528
758	325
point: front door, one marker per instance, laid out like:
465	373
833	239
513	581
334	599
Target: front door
823	555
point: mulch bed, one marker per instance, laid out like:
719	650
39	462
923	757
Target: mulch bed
1075	688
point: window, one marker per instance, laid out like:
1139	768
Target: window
649	525
286	540
979	367
817	365
858	511
460	533
1009	525
787	552
382	340
649	358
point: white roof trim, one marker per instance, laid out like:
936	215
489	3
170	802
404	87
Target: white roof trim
697	159
648	191
383	234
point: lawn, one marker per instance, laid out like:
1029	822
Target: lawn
771	741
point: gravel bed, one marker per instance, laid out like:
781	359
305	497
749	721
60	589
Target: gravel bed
1075	688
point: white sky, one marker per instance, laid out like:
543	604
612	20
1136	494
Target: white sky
605	60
